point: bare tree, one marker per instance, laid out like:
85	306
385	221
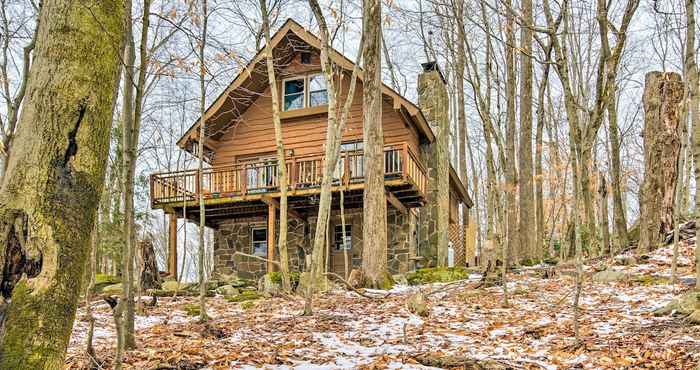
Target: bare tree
281	164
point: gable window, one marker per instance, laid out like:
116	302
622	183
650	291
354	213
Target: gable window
339	237
305	92
293	93
317	91
258	239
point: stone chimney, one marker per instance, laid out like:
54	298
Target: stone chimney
435	215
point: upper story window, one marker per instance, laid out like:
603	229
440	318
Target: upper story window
305	92
294	94
317	91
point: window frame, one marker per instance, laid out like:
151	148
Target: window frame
303	93
338	230
306	91
253	241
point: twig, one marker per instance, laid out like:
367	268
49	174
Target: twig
353	288
456	284
257	257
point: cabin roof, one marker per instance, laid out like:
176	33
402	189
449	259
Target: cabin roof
252	80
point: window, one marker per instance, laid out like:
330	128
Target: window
305	92
258	239
293	94
305	58
317	91
351	150
339	237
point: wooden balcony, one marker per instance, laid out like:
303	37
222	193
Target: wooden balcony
405	179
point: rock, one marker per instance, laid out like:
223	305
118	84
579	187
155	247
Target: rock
268	286
609	276
246	295
437	275
320	285
400	279
685	305
237	282
416	304
171	286
625	260
113	289
227	290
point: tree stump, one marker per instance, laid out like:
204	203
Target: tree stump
150	277
663	98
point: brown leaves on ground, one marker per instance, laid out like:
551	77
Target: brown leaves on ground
535	332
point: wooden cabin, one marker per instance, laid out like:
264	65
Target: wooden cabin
241	188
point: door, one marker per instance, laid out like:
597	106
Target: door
338	248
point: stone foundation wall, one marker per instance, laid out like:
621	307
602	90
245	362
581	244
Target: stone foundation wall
233	236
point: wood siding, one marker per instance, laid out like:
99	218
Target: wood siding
303	135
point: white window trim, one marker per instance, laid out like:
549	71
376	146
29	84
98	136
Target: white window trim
307	91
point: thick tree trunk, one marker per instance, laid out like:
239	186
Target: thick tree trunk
55	177
663	98
279	143
374	258
150	276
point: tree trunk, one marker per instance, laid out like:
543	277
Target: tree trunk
619	218
55	177
539	176
202	137
694	101
511	174
527	232
604	223
332	149
374	258
663	97
150	276
279	143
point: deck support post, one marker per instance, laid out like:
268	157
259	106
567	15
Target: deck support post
271	221
172	245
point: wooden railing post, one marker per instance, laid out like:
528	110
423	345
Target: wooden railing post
346	168
404	161
244	180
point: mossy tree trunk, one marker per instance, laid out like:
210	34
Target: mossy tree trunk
55	175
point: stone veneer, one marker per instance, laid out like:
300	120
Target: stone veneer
232	236
434	216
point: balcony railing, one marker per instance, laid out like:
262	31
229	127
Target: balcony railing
261	176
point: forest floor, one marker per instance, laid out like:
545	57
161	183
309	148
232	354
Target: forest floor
618	327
